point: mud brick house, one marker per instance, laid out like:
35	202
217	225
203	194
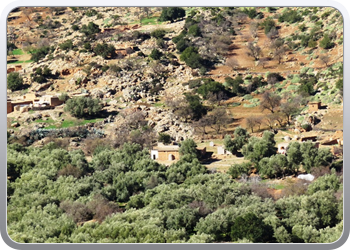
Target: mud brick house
165	152
171	152
31	101
282	148
314	106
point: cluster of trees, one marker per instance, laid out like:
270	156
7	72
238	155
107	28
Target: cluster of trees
262	155
56	196
41	74
204	40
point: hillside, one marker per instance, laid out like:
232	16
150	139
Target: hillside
172	119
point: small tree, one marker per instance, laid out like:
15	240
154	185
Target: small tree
232	63
254	51
155	54
83	106
326	42
218	119
188	147
172	13
105	50
325	59
165	138
270	102
14	81
289	109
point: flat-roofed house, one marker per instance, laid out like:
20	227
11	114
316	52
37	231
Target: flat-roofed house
165	152
282	148
314	106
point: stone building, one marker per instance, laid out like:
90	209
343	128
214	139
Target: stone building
165	152
314	106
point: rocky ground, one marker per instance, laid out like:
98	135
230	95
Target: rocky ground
130	88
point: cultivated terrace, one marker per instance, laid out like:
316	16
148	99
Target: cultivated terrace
174	125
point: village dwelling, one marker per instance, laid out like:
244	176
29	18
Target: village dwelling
282	148
170	152
222	151
165	152
32	101
314	106
336	139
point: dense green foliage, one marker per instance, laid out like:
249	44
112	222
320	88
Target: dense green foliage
195	105
155	54
210	87
14	81
241	137
172	13
181	203
191	57
40	53
90	29
41	74
105	50
82	106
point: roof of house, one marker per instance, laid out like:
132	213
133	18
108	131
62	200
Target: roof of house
283	144
165	148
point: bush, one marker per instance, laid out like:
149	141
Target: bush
83	106
114	68
75	27
210	86
90	29
191	57
339	84
181	45
268	24
290	16
40	53
158	33
326	42
194	30
155	54
41	74
14	81
105	50
67	45
172	13
164	138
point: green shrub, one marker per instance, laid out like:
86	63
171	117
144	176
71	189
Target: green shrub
156	54
191	57
194	30
326	42
67	45
75	27
171	14
290	16
14	81
40	53
158	33
105	50
82	106
164	138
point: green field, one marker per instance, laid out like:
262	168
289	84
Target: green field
17	52
148	21
68	123
18	62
